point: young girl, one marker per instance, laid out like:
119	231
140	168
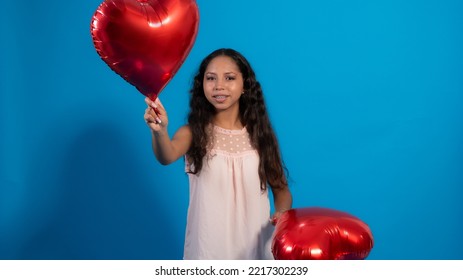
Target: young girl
231	156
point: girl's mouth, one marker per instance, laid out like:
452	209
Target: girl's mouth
219	98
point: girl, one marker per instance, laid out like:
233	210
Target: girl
231	155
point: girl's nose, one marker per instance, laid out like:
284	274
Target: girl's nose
218	84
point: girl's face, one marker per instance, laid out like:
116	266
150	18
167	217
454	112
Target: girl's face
223	83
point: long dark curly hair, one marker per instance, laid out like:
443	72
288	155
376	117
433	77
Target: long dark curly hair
253	114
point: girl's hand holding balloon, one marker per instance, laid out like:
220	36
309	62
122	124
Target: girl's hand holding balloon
155	115
276	216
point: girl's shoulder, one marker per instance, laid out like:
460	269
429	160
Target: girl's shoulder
183	134
185	129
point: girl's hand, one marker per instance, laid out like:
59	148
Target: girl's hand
276	216
155	115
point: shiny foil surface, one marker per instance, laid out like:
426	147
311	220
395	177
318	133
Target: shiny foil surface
145	41
315	233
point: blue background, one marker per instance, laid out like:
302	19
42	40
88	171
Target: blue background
365	96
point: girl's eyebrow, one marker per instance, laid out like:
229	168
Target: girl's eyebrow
213	73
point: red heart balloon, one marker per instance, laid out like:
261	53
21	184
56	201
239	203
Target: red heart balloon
145	41
315	233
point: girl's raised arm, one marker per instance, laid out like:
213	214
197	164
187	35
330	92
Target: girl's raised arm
165	149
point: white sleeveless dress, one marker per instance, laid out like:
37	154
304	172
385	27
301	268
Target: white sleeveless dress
228	214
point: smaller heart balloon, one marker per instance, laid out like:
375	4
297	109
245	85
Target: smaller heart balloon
316	233
145	41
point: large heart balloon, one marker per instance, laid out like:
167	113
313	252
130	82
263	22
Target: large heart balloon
316	233
145	41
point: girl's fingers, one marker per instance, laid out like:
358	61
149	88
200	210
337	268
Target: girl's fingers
151	121
150	111
155	110
158	113
158	102
150	118
151	103
155	107
148	102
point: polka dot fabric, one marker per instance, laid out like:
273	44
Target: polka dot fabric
231	141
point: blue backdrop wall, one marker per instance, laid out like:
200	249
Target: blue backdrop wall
366	98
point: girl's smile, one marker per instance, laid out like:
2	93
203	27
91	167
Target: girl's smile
220	98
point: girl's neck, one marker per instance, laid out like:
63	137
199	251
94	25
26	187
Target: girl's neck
227	120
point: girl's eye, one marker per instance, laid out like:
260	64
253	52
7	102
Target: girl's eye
209	78
230	78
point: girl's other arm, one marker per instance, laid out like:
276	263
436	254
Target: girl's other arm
283	201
